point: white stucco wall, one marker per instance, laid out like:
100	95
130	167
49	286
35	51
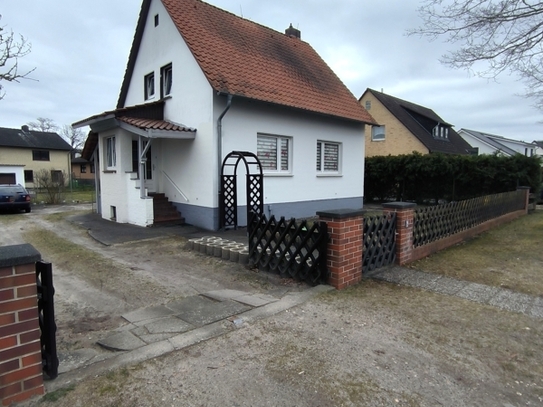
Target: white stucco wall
190	104
18	170
245	120
484	148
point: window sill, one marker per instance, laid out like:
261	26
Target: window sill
110	171
278	174
333	174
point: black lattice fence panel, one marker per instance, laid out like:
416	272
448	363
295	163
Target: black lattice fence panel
46	315
379	242
291	249
229	206
437	222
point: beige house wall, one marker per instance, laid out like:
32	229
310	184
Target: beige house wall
58	160
398	139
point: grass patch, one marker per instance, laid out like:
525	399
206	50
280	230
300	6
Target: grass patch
57	394
84	196
508	256
100	271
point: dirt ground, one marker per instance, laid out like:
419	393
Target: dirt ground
376	344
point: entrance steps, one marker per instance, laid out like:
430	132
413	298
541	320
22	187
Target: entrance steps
164	212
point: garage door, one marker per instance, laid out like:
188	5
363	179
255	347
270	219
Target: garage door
7	178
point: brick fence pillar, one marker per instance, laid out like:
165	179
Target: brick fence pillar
405	214
344	255
526	198
21	374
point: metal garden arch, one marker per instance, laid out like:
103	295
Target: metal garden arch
228	194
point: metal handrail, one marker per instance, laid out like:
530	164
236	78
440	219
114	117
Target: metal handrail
175	186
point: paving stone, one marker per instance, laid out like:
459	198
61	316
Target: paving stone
74	359
391	274
478	292
256	300
448	286
122	341
142	314
536	311
421	279
511	301
222	295
168	325
151	338
200	311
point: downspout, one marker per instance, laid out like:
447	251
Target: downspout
219	145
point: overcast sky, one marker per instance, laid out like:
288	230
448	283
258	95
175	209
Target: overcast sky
80	50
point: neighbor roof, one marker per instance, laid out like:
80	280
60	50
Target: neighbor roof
491	140
32	139
414	116
245	59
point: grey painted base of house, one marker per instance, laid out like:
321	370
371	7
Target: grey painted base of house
208	218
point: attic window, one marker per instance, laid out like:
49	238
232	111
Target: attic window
156	20
149	85
166	80
368	104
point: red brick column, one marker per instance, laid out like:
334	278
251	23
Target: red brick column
20	350
405	213
344	255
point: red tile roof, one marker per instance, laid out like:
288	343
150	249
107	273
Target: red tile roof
152	124
242	58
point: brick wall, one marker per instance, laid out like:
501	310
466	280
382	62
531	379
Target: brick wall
20	350
405	212
344	255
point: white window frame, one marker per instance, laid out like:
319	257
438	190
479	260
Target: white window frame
149	86
110	153
321	160
164	82
279	143
376	136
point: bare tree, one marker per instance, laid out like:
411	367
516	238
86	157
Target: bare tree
43	124
75	137
503	35
51	185
11	49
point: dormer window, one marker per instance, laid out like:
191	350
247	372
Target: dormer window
149	86
441	132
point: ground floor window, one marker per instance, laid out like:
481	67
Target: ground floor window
328	157
29	176
111	155
274	153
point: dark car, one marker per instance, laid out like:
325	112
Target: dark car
14	197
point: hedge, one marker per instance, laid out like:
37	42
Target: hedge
437	177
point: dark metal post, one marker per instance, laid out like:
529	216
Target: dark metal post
46	310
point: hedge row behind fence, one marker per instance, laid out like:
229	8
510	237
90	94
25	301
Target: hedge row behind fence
420	178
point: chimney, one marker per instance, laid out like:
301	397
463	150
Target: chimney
24	128
293	32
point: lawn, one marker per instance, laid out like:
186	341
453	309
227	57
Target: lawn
80	195
509	256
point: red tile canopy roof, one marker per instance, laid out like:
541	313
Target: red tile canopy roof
153	124
245	59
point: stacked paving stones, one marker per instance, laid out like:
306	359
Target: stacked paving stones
221	248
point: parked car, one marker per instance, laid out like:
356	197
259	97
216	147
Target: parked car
14	197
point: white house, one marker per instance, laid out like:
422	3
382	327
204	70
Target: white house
201	83
485	143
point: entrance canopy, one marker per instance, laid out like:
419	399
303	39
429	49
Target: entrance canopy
145	120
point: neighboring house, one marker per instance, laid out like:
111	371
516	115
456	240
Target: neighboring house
201	83
82	169
485	143
32	151
406	127
538	147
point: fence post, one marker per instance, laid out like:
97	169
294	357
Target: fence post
344	253
526	198
21	374
405	216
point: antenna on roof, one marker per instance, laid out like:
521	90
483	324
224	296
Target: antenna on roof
241	11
